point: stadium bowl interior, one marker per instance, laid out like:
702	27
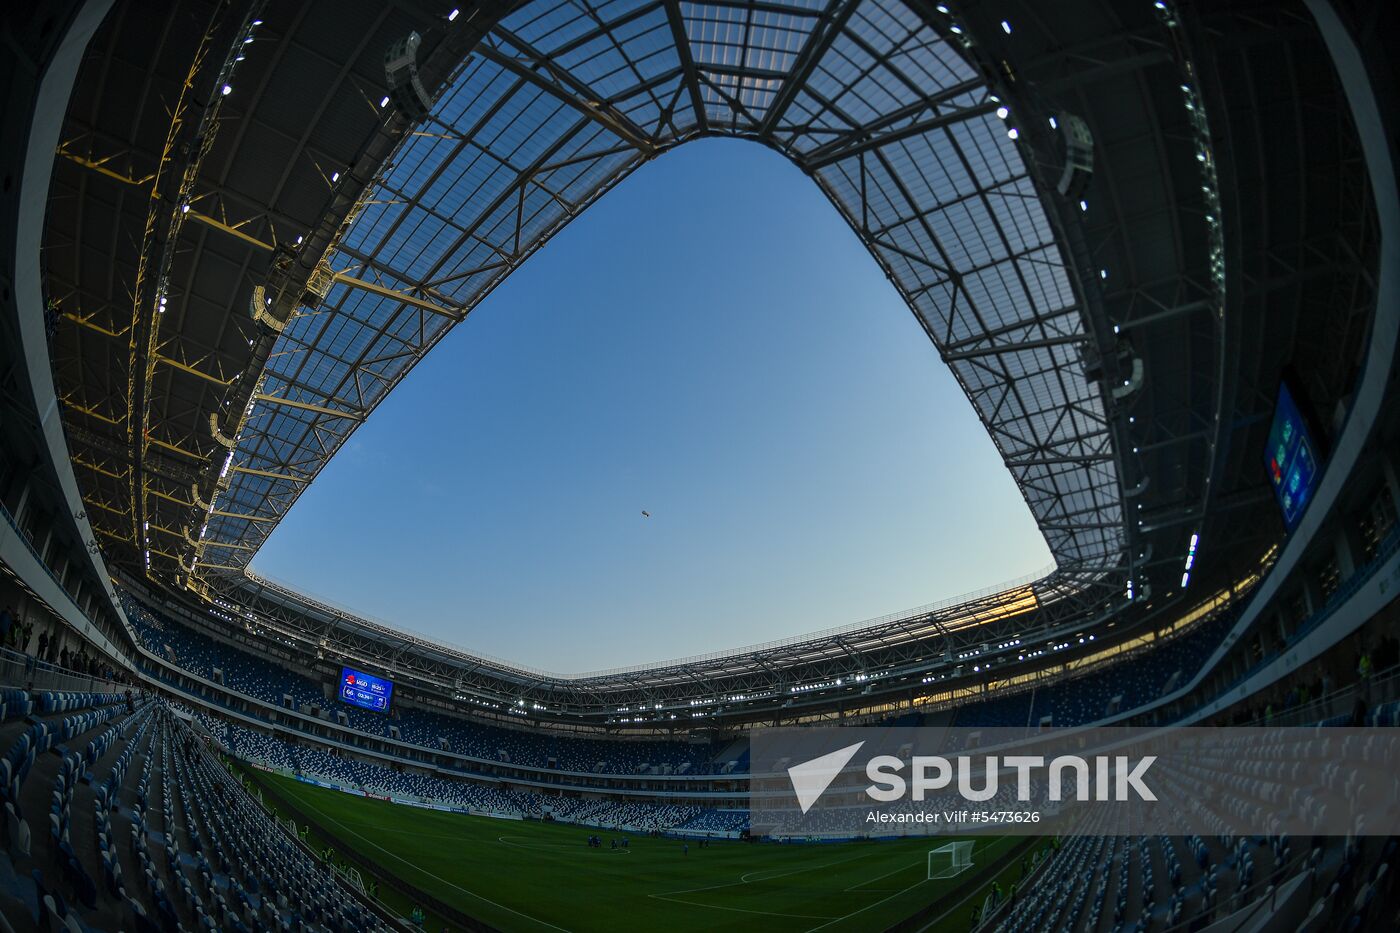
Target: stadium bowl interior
1156	243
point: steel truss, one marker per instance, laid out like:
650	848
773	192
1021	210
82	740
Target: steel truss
302	288
878	100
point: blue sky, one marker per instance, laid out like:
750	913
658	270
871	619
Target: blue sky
709	343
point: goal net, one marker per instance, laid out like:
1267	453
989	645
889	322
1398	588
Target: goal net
951	859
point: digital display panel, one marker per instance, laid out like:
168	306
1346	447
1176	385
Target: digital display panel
365	690
1291	457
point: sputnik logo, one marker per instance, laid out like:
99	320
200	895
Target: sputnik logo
811	778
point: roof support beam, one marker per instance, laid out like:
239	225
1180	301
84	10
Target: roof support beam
568	90
692	77
998	349
1059	461
818	41
397	295
222	227
227	544
271	475
307	406
246	518
187	368
845	147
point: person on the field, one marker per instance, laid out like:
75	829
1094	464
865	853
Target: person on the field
685	848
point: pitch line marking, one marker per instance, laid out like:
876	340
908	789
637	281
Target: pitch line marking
870	905
897	894
541	846
450	884
743	879
743	910
861	884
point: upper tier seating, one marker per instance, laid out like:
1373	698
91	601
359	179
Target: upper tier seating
1119	686
262	678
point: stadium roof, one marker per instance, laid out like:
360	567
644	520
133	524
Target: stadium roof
879	101
253	236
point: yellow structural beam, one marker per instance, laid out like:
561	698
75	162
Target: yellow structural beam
71	405
165	445
169	498
271	475
307	406
187	368
225	228
102	470
86	322
251	518
101	169
398	295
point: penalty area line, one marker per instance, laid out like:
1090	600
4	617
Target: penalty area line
420	868
545	846
742	910
899	893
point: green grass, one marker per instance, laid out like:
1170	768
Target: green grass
538	876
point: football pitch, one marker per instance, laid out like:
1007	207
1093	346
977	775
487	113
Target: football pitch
533	876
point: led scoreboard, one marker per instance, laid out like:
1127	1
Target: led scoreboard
365	690
1291	459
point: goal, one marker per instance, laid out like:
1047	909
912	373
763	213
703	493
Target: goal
949	860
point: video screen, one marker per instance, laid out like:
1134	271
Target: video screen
365	690
1292	459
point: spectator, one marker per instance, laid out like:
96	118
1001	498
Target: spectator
7	620
63	658
43	644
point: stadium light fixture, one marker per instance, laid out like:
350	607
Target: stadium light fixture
1006	27
451	17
